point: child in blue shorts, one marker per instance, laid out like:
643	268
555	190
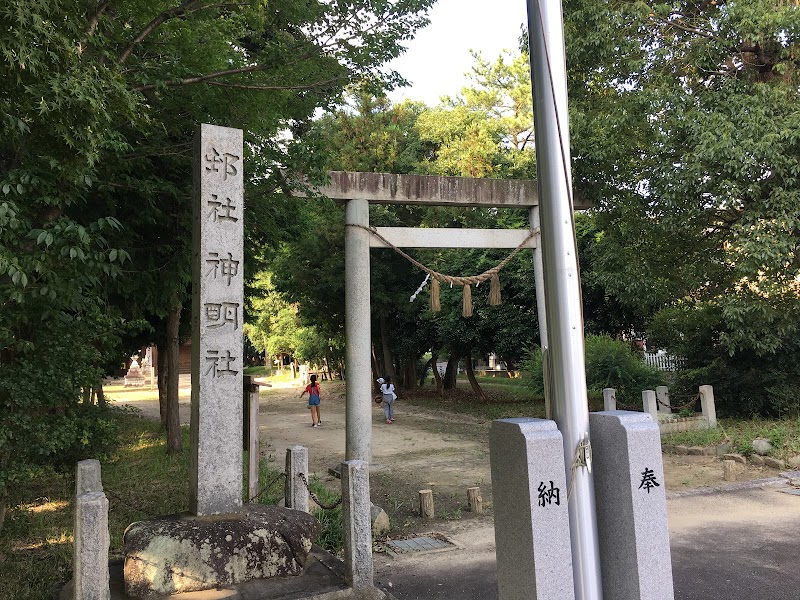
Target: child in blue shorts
312	389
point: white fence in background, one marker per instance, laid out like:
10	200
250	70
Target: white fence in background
664	362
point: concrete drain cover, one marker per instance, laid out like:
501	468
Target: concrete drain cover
420	544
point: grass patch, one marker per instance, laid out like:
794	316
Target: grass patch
783	434
258	371
140	480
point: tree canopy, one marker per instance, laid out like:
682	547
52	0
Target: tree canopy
99	101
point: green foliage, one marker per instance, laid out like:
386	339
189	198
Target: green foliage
98	105
684	123
44	423
140	480
746	383
609	364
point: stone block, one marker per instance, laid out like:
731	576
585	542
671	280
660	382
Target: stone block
722	449
176	554
762	446
662	397
631	506
357	523
681	449
757	460
380	521
295	491
774	463
87	477
609	399
696	450
650	404
738	458
707	405
92	541
794	461
529	490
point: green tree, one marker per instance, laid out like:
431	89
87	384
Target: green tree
684	125
98	105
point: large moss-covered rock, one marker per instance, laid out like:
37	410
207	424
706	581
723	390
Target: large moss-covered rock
181	553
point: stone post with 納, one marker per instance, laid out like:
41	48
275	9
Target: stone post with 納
217	307
531	515
631	504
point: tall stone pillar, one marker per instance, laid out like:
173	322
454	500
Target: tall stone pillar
217	310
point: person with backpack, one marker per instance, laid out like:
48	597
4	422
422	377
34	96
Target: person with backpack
387	391
312	389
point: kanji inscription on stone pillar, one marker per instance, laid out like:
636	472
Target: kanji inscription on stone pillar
217	310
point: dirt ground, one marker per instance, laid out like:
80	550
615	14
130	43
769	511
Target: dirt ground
422	449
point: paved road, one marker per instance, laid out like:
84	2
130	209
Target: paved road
742	545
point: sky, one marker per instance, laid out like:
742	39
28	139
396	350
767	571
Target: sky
438	57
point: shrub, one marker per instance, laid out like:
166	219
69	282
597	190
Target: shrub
609	363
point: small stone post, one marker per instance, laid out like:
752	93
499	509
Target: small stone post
631	506
649	404
707	405
92	541
426	504
474	500
251	436
729	470
357	517
662	396
296	493
531	516
87	477
609	399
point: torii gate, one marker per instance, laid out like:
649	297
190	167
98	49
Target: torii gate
358	191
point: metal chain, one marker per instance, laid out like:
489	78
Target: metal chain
314	497
675	407
266	487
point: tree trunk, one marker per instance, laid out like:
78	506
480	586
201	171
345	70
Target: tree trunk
376	368
101	395
388	362
174	442
422	376
87	395
410	374
161	360
451	372
2	513
472	381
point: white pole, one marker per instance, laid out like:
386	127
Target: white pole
562	282
358	337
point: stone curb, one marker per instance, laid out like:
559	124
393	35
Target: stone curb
731	487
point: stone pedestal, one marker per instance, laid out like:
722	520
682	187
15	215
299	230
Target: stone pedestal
529	486
170	555
631	506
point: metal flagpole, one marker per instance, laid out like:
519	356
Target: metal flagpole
562	285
